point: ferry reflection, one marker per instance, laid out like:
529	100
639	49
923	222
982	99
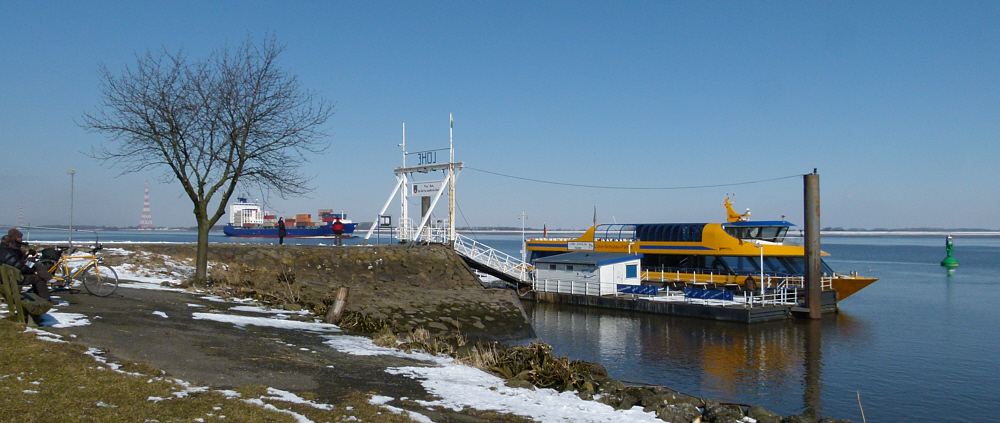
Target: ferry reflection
778	364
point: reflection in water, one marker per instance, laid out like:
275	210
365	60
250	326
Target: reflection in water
813	368
769	364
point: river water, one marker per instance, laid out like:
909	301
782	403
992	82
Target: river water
918	345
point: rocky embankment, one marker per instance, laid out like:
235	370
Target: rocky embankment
425	286
430	287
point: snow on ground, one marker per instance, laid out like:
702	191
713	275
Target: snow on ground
256	309
266	322
382	400
63	320
459	387
456	386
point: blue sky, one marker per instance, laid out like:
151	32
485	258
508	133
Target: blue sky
896	104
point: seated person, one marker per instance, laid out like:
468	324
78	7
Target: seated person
11	254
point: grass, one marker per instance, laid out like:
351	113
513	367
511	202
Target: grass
43	381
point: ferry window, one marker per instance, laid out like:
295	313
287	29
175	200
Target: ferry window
753	233
685	262
714	263
777	265
795	265
737	232
769	233
552	267
826	269
741	264
631	271
569	267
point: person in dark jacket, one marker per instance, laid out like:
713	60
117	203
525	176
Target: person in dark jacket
338	232
11	254
281	230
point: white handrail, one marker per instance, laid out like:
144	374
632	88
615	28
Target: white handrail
492	258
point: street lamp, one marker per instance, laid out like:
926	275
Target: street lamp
71	177
758	245
523	250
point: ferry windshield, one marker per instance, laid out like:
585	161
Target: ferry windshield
763	233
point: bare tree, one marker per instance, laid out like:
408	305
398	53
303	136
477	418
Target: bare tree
233	119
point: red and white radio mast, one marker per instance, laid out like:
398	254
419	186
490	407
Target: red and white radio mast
146	222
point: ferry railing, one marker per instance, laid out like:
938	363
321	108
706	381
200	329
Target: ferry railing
723	278
492	258
567	287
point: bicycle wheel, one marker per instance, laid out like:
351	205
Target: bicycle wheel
100	280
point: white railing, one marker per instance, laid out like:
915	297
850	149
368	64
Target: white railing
492	258
469	248
432	232
567	287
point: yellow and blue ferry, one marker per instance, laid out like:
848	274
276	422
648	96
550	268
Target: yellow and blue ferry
739	254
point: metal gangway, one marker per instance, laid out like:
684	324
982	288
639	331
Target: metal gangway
492	261
479	256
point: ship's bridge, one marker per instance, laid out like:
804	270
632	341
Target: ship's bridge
770	231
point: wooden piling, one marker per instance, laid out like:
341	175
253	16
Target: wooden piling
813	273
333	315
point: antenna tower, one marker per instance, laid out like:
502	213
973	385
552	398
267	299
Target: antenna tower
146	222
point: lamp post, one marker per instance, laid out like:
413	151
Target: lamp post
758	245
72	173
523	250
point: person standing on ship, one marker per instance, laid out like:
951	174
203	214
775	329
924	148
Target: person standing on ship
338	232
281	230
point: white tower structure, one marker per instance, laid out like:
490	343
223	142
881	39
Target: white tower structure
428	191
146	221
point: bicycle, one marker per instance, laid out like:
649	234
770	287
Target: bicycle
98	278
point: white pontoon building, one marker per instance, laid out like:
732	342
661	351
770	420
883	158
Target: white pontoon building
586	273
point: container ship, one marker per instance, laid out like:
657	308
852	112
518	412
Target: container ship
248	219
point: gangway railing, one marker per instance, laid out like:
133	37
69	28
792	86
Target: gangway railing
471	249
492	258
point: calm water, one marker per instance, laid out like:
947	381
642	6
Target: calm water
919	345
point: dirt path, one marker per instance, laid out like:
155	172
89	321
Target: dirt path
223	355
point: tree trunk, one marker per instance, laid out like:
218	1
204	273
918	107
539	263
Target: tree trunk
201	271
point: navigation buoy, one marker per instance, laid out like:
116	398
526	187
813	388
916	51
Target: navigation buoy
949	261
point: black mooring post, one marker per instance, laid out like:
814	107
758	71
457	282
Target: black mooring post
813	276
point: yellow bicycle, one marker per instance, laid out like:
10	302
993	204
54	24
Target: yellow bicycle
66	268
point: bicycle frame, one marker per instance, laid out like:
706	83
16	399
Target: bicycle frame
92	260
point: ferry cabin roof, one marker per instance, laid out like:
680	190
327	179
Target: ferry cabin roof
768	231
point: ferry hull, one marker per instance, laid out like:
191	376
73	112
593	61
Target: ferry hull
846	287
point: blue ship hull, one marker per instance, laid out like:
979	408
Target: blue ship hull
290	232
